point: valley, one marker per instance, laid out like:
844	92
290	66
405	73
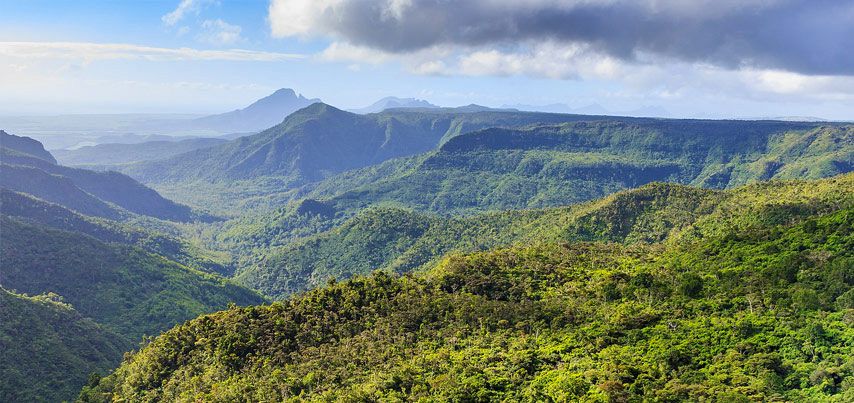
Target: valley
458	252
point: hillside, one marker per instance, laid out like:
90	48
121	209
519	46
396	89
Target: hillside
117	154
753	313
49	349
312	144
123	288
499	169
23	146
104	194
400	241
52	215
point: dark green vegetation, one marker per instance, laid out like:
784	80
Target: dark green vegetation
52	215
684	274
313	144
59	347
752	302
499	169
93	246
107	155
400	241
103	194
124	288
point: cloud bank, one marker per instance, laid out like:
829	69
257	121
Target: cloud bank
88	51
805	37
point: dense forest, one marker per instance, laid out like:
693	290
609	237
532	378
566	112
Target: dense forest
438	254
760	311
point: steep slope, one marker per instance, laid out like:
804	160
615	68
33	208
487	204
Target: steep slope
103	194
314	143
749	314
401	241
116	154
543	166
124	288
23	146
57	189
261	114
49	349
38	211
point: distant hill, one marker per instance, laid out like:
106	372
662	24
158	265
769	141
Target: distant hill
593	109
50	349
31	209
754	306
102	194
118	153
400	240
262	114
317	142
124	288
16	146
541	166
394	102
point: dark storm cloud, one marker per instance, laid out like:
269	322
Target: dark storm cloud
810	37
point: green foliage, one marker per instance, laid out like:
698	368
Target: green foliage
48	349
397	240
103	194
752	310
25	207
124	288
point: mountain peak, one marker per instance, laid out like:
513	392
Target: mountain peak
261	114
285	92
394	102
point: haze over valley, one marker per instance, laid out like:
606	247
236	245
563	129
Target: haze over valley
334	200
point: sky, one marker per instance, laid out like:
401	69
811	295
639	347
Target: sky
702	58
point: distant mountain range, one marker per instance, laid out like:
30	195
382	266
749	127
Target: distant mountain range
394	102
118	153
27	167
263	113
321	140
593	109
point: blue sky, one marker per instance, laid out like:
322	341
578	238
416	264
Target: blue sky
200	56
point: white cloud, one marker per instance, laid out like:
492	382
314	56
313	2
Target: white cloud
341	51
219	32
87	52
184	7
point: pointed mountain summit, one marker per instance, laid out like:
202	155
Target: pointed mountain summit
393	103
263	113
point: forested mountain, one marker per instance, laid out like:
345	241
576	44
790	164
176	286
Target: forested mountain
498	169
38	211
312	144
487	160
626	237
401	241
320	140
106	155
49	349
124	288
103	194
746	309
11	145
